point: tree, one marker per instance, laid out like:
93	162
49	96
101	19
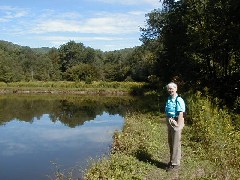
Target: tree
166	37
82	72
196	42
73	53
55	70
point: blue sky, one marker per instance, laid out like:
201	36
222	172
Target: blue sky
101	24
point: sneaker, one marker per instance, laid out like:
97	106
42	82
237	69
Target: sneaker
172	168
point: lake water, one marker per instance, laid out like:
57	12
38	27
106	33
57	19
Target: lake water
41	134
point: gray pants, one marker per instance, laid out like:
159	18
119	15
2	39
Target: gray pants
174	141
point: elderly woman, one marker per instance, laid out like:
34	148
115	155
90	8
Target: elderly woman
174	109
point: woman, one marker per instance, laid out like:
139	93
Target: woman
175	108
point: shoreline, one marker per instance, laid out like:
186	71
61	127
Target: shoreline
65	87
80	92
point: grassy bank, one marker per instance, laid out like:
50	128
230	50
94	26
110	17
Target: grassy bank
141	152
100	87
210	146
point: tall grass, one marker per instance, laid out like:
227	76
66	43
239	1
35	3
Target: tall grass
71	84
214	135
95	86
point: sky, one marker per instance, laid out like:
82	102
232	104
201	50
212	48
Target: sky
100	24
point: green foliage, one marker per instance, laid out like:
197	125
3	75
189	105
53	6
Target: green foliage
195	42
134	141
121	166
213	131
71	54
82	72
82	87
3	84
73	62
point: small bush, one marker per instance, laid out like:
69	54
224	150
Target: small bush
3	84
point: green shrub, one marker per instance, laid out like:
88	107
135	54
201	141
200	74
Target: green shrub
3	84
212	129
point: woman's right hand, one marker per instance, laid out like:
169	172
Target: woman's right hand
173	122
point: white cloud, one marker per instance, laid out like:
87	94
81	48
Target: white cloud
9	13
100	23
79	38
54	27
105	32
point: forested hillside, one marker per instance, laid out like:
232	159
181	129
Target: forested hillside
72	62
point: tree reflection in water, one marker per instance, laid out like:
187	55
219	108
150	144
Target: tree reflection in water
70	110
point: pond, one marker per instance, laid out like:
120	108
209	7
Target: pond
41	134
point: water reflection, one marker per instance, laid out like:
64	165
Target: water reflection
35	130
70	110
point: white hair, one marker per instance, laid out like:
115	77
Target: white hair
172	84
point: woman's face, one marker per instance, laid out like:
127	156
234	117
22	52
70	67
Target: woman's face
172	91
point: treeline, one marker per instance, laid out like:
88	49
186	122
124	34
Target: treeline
197	44
71	62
